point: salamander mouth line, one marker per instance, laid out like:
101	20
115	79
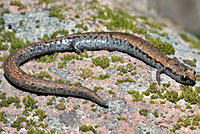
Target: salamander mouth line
111	41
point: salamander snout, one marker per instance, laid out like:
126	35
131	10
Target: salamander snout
188	78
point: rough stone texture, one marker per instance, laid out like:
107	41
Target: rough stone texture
69	119
183	12
80	112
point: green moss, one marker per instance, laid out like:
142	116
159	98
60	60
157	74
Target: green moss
16	43
6	101
176	106
86	73
31	125
85	28
111	92
62	100
188	106
102	61
162	102
197	89
86	128
67	81
52	131
78	83
51	101
84	54
168	94
61	80
177	126
95	89
193	128
94	109
191	63
163	46
3	46
14	99
93	2
198	76
43	74
6	10
133	73
3	96
156	114
120	118
125	69
60	106
194	43
196	119
189	95
180	119
23	13
45	37
172	96
36	131
15	3
118	19
119	81
59	32
154	24
136	95
61	64
17	123
56	12
47	58
26	112
30	103
103	76
117	59
144	112
183	110
92	105
19	4
154	96
21	23
192	110
2	117
151	101
46	2
152	89
164	34
186	122
69	57
41	114
167	84
84	102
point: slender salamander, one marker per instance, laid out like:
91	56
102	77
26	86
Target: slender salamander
111	41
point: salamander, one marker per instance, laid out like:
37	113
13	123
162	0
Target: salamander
111	41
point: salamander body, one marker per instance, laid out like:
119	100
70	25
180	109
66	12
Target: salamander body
111	41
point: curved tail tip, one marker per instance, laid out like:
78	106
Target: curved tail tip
103	104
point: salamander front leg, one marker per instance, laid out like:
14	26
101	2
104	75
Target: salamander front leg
158	73
74	45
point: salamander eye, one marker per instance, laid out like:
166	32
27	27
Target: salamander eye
184	78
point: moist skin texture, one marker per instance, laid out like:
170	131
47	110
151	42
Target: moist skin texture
111	41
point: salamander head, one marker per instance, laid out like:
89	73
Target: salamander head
181	73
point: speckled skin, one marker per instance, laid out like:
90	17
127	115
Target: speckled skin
110	41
